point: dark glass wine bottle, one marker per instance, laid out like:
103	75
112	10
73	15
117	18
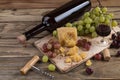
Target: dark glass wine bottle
58	17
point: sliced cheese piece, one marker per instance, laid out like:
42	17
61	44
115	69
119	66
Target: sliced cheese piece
72	51
76	58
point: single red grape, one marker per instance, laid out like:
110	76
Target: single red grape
80	43
44	47
98	57
118	33
118	54
84	40
53	55
86	47
89	71
49	54
89	43
56	45
113	36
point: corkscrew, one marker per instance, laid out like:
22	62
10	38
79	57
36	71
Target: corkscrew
30	65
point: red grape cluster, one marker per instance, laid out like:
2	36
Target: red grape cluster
116	40
84	44
51	48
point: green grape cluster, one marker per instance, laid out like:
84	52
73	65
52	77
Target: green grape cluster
87	24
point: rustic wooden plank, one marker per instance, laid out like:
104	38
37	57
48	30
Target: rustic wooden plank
37	14
12	30
20	18
9	67
8	4
12	48
13	55
22	15
106	3
29	5
18	52
33	1
27	15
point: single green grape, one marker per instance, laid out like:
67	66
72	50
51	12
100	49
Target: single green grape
93	16
51	67
68	25
96	24
108	17
81	33
97	9
97	13
88	20
114	23
102	19
104	10
45	59
55	33
101	15
107	21
82	18
94	34
87	26
111	14
96	20
75	24
80	27
86	31
80	22
87	14
92	29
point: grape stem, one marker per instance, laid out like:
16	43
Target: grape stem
99	3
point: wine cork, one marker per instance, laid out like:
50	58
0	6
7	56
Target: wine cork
22	39
29	64
106	54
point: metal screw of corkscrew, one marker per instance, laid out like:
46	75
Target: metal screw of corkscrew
30	65
43	72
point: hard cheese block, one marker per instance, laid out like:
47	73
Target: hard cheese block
59	61
67	36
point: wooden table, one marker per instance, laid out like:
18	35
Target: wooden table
18	16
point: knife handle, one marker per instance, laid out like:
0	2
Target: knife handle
29	64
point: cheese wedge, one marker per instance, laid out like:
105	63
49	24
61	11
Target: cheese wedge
67	36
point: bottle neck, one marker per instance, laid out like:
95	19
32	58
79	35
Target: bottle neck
34	31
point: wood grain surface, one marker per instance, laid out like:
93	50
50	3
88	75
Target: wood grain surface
18	16
10	4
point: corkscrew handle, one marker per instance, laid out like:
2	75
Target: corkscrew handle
29	64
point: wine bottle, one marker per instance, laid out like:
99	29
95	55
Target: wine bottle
58	17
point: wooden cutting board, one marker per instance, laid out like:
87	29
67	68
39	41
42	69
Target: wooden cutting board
59	60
